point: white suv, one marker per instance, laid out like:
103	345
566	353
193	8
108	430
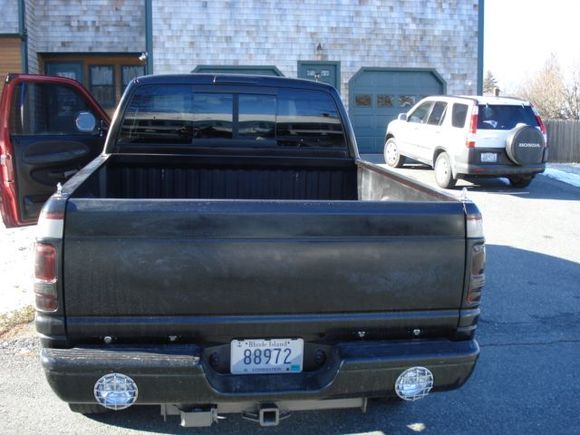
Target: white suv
470	136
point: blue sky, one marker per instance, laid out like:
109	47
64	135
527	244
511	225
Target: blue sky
519	36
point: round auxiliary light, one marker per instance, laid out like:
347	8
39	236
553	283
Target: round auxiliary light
116	391
414	383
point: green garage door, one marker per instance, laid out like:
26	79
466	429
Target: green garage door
378	95
264	70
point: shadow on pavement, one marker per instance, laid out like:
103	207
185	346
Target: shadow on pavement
540	188
529	297
380	416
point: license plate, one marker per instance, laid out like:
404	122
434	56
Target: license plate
276	355
488	157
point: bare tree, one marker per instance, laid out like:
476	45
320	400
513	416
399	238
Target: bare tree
572	95
547	90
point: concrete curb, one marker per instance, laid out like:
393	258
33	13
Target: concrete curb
17	317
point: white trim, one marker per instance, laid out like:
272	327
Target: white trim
50	228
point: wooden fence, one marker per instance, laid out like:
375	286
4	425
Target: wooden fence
563	141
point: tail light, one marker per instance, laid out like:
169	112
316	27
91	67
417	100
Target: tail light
541	124
49	232
476	271
45	277
470	140
477	274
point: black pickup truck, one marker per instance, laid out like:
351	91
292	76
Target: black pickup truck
227	251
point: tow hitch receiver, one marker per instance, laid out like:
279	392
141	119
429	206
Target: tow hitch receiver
268	415
203	416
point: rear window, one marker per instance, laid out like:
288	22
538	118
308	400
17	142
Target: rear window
180	115
502	117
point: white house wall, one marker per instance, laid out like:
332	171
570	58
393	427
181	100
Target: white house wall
437	34
9	16
89	26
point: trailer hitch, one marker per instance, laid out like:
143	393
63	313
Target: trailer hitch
268	415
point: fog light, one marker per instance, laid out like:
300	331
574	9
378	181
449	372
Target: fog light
116	391
414	383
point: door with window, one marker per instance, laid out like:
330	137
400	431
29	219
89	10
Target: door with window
51	127
413	135
320	71
106	77
430	135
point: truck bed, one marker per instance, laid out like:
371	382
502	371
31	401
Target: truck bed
167	247
267	178
182	177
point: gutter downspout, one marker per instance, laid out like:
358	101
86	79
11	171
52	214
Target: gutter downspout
23	36
480	48
149	35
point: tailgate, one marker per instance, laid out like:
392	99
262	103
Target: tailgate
190	258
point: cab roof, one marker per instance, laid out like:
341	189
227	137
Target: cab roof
231	79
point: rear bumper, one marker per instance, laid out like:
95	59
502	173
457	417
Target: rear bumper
178	374
498	170
470	163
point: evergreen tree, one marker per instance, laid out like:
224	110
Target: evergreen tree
489	84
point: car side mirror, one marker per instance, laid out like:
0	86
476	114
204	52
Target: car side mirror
86	122
402	117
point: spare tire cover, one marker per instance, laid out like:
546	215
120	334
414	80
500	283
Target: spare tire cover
525	145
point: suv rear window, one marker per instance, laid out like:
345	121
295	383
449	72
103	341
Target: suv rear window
503	117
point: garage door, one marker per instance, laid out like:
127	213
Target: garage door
378	95
264	70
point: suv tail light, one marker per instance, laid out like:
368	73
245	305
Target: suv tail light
540	123
45	277
470	140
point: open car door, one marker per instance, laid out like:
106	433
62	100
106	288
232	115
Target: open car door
50	127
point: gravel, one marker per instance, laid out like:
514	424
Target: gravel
20	340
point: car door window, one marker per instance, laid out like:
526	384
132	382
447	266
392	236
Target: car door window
420	114
47	109
458	115
438	113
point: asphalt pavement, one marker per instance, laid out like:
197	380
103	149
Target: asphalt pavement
526	381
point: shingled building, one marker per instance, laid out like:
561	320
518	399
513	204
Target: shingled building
382	55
